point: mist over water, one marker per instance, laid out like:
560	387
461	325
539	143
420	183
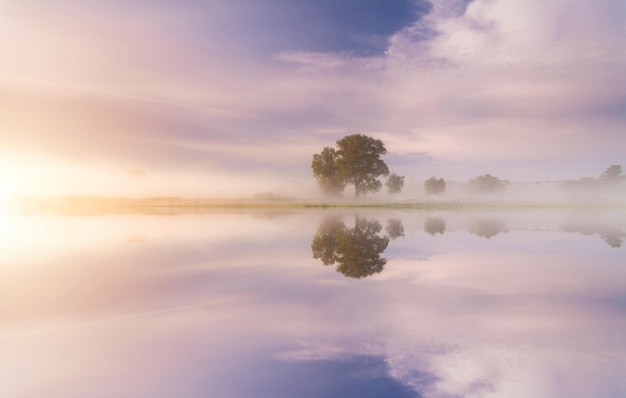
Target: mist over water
316	303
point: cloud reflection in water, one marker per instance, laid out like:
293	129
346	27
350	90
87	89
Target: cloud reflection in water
235	305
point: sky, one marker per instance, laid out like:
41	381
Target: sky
234	97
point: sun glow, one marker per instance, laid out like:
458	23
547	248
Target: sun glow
4	195
8	192
28	175
16	177
9	188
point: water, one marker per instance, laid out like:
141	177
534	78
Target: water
314	304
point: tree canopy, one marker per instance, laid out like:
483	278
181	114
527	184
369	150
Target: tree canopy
326	172
394	183
613	174
487	183
435	186
356	161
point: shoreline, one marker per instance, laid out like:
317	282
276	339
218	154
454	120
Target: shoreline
163	205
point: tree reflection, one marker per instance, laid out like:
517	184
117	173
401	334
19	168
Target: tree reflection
394	228
612	236
434	226
356	251
487	228
325	242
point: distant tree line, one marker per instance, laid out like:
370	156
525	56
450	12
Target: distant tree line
611	177
356	160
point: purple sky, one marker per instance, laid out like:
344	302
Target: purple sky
221	97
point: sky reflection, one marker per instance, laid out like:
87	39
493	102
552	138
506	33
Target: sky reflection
236	305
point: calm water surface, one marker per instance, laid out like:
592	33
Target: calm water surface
314	304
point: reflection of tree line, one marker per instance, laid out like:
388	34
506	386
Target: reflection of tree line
357	251
488	228
484	228
612	236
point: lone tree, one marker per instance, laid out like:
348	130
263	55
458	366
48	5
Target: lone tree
435	186
326	172
487	183
356	161
394	183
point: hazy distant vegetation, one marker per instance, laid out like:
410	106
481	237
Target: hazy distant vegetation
612	177
435	186
356	161
487	183
394	183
